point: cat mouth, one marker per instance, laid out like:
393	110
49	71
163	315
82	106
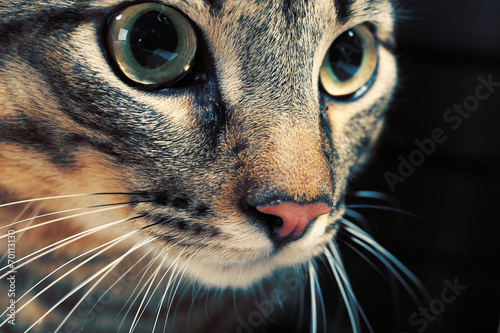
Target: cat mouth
246	269
221	258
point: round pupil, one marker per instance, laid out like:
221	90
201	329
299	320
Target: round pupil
153	40
346	55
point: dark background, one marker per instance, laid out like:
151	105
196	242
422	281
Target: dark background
444	47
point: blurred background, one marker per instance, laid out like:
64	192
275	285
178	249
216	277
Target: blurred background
445	48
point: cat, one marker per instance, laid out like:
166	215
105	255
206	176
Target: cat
152	147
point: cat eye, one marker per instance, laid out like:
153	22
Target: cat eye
151	44
350	63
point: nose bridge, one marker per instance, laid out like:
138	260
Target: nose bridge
276	66
290	166
282	82
272	96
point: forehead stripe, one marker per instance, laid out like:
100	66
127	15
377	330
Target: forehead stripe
343	9
215	4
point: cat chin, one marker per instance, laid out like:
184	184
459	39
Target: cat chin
241	276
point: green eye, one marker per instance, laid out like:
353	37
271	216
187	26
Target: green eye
350	62
151	44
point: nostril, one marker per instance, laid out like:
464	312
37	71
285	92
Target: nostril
271	223
295	217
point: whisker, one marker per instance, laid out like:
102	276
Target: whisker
88	280
391	262
302	297
112	243
111	287
341	269
59	244
360	219
374	195
123	204
28	224
158	309
390	209
23	211
59	219
58	197
161	279
364	257
179	281
146	270
392	283
321	301
89	291
167	289
139	313
312	281
194	295
345	290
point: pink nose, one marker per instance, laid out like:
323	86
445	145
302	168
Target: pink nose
295	217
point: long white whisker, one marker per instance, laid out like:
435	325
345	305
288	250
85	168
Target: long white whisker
59	244
172	279
390	209
345	290
172	297
341	269
54	197
390	267
28	224
88	280
139	313
149	266
180	278
321	301
112	243
195	292
114	264
167	289
64	218
393	286
114	284
23	211
302	294
179	281
147	281
159	282
163	297
365	258
312	280
74	259
61	218
146	270
391	262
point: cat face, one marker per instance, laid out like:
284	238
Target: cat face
234	171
